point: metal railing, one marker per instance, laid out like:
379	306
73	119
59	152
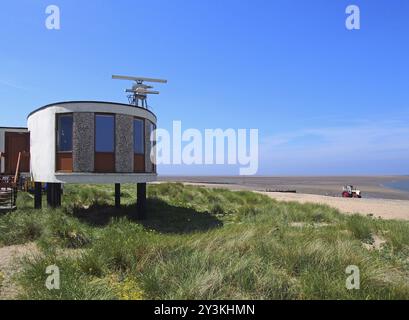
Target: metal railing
9	186
8	196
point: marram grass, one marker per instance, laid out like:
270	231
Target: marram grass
202	243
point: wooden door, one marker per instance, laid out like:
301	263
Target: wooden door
17	142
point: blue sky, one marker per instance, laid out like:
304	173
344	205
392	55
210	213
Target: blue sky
326	100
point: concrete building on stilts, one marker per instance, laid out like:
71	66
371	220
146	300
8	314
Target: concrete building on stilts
94	142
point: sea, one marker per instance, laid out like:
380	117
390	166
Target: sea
398	185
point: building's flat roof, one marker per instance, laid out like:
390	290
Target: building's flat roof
14	128
78	102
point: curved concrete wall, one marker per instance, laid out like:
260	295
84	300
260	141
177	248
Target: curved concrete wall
42	127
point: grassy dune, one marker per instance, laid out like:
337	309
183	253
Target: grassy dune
205	244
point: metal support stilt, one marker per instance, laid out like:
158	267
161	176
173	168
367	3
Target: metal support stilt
141	201
38	195
117	195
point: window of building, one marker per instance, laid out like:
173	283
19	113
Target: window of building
104	133
153	144
64	133
139	136
139	145
104	143
64	142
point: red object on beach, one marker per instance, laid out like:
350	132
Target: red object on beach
351	192
345	194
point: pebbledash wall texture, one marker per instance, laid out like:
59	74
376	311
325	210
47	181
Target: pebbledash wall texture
83	137
124	146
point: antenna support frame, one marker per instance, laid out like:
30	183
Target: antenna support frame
139	92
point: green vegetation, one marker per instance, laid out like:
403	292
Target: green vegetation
202	243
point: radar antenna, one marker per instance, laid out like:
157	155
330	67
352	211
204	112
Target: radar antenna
139	92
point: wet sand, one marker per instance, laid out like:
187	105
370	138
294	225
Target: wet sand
371	187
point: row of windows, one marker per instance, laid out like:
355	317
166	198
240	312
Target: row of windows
104	134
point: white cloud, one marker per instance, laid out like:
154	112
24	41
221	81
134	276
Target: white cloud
13	85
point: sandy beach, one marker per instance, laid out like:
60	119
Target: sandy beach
377	200
382	208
